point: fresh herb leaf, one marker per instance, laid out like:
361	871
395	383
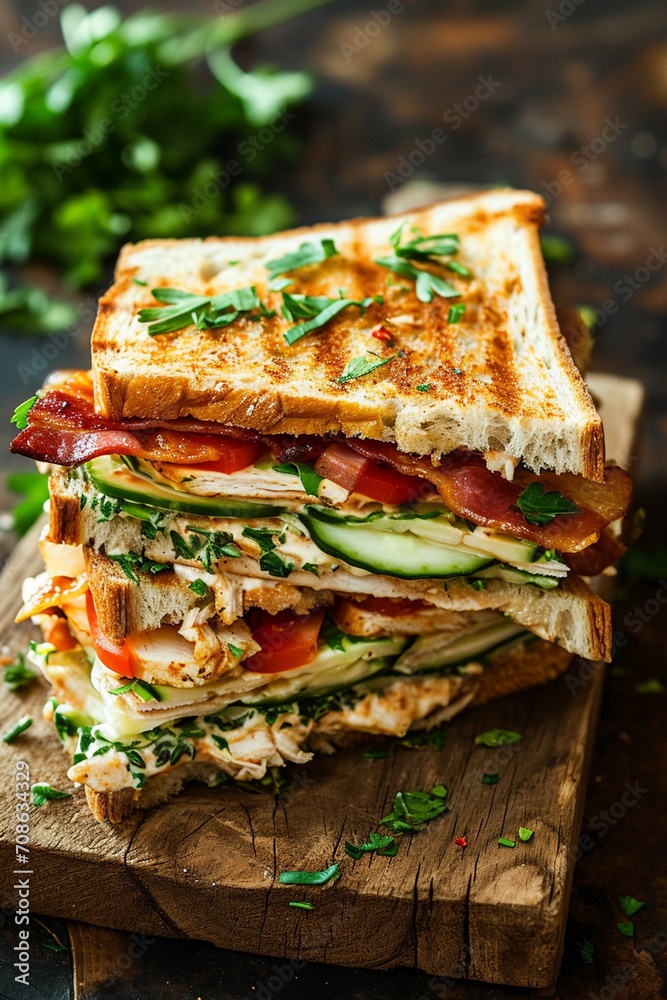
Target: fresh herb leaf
141	688
525	834
413	810
377	842
302	905
504	842
424	248
539	507
424	387
35	486
53	945
630	905
200	588
308	253
311	568
220	742
17	675
139	281
263	536
42	792
433	738
477	584
456	312
587	951
627	929
376	753
20	727
306	473
236	651
20	417
358	367
490	779
183	309
497	738
271	562
133	563
310	878
319	309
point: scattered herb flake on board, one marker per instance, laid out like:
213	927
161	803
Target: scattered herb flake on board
630	905
301	905
308	253
310	878
504	842
525	834
418	740
377	842
413	810
497	738
627	929
42	792
652	686
490	779
539	507
376	753
24	723
358	367
17	675
587	951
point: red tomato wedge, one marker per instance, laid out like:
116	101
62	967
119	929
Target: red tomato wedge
287	640
235	454
390	606
115	657
57	633
372	479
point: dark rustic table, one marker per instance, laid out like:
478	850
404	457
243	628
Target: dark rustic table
568	98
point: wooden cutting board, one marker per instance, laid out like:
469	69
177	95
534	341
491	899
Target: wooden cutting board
206	865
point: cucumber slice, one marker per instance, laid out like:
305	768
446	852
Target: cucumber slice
402	555
511	575
322	682
432	652
112	477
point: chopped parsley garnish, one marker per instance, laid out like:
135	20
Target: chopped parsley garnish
24	723
627	929
413	810
490	779
271	562
17	675
477	584
236	651
263	537
310	878
376	753
143	690
525	834
133	562
183	309
306	473
308	253
301	905
377	842
42	792
200	588
423	249
587	951
630	905
315	310
311	568
504	842
539	507
20	417
433	738
220	742
424	387
206	546
456	312
358	367
497	738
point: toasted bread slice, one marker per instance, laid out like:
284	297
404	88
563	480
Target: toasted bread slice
500	379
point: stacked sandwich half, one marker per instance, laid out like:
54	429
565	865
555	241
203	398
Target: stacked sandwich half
336	481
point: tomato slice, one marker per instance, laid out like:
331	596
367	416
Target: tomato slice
115	657
287	640
378	481
57	633
235	454
390	606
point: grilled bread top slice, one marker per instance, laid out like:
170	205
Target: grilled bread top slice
499	378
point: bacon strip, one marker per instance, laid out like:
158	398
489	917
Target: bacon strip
473	492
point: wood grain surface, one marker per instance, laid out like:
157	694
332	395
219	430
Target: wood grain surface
206	865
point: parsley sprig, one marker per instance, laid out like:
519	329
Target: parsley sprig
357	367
424	250
315	311
413	810
42	792
539	507
308	253
183	309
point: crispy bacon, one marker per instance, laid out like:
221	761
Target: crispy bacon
472	491
593	560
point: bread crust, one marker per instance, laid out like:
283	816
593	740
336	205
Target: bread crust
517	390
